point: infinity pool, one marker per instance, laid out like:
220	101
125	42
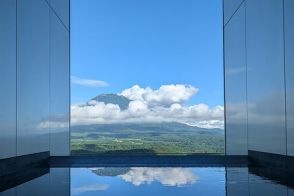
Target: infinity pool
151	181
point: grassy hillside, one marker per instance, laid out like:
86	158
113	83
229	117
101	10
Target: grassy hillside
152	138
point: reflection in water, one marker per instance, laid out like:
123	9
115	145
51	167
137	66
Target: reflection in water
166	176
134	181
147	181
89	188
147	175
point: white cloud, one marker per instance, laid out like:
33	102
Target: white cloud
165	95
236	70
138	106
165	176
53	124
87	82
165	104
56	123
89	188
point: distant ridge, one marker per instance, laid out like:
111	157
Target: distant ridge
119	100
110	171
163	127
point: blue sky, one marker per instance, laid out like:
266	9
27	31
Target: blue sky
149	43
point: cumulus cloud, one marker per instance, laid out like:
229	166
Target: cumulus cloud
53	125
89	188
56	122
166	104
166	176
165	95
88	82
236	70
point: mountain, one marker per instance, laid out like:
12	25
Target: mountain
110	171
120	100
164	127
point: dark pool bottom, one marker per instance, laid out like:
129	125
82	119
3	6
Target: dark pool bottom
153	181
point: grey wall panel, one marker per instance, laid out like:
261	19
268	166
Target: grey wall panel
237	181
230	7
59	88
7	78
289	70
61	8
32	76
235	85
265	76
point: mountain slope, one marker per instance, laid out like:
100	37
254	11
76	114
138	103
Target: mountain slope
120	100
164	127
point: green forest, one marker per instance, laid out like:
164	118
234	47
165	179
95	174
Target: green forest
152	138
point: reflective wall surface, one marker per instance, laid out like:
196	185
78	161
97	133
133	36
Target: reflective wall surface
8	78
258	186
55	182
34	65
265	82
289	70
235	76
32	76
230	7
268	75
252	181
237	181
59	87
61	9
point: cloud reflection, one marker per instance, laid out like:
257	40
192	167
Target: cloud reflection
166	176
90	188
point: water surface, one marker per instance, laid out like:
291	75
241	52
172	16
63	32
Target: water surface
143	181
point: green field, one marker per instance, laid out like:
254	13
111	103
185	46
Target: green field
158	139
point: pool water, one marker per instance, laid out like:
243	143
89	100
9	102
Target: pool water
148	181
143	181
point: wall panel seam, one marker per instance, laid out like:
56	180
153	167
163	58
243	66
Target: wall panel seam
56	14
234	12
246	80
285	83
69	80
224	81
16	80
